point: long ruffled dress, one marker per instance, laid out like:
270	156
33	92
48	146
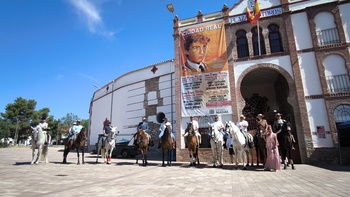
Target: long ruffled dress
273	157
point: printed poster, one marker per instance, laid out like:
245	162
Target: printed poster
205	87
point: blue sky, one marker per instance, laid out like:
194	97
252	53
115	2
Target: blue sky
56	51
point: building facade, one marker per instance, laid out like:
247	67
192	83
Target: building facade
295	60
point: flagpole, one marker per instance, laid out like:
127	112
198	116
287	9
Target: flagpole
258	37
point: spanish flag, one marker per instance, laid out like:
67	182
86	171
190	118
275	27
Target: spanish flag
254	16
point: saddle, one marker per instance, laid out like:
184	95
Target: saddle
248	140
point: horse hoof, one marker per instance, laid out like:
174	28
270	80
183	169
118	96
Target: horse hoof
221	165
214	166
293	167
247	165
244	168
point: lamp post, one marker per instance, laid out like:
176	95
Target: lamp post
16	132
170	8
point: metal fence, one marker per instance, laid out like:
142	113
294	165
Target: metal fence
338	83
328	37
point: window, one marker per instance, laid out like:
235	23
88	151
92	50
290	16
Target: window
326	29
242	44
275	39
256	37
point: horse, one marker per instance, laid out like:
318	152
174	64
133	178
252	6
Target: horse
167	144
77	142
216	143
40	141
192	144
240	144
260	147
107	148
142	142
286	142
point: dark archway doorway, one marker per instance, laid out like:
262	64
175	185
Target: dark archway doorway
266	91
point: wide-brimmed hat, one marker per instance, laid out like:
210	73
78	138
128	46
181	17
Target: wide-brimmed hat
144	118
191	116
278	114
242	116
74	123
260	115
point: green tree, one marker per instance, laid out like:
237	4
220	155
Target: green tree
23	115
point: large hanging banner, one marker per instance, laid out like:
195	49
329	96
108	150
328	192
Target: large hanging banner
205	87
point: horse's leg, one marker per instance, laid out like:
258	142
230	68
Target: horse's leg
98	151
33	154
290	158
197	155
82	156
39	154
221	155
163	153
236	157
77	149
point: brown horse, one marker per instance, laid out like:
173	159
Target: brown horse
167	144
78	143
142	141
192	144
260	147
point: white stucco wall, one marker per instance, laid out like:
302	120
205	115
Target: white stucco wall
301	31
128	100
318	117
310	75
302	4
345	14
283	61
241	8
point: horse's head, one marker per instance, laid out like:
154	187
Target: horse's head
113	133
82	134
189	128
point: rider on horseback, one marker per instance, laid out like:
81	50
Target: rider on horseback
162	129
144	126
75	129
44	126
106	131
195	128
242	124
281	125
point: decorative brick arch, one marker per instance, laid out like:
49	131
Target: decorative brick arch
292	99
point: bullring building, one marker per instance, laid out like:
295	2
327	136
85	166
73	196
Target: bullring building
292	57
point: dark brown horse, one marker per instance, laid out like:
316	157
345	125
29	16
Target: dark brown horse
142	141
286	142
167	144
260	147
78	143
192	144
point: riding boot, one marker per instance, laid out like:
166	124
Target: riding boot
292	164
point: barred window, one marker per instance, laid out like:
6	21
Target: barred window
242	44
275	39
256	39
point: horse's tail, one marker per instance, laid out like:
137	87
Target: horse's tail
44	152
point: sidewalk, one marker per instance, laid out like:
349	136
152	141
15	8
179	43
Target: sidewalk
125	178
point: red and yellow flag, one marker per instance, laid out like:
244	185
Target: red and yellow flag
254	16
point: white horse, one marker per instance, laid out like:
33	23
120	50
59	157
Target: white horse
216	143
107	149
239	143
40	141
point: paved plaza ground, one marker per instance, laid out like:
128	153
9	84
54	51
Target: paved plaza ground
125	178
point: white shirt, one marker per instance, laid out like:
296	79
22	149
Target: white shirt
163	126
43	125
195	125
242	125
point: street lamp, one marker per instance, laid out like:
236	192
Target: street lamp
16	132
170	8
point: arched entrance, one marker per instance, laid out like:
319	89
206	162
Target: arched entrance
267	90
